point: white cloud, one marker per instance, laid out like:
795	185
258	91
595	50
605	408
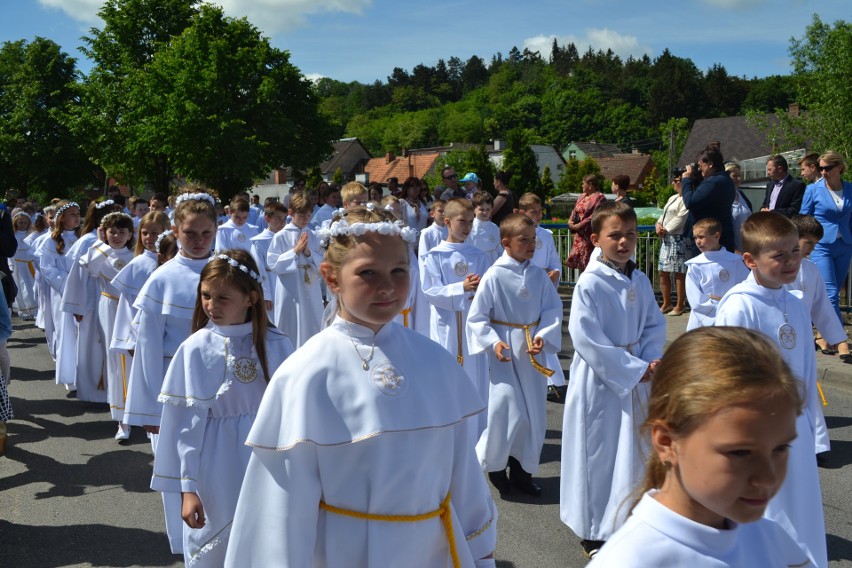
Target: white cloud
270	16
314	77
603	39
82	10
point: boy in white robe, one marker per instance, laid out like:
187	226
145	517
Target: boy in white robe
516	315
434	234
294	256
763	303
450	276
710	274
236	232
274	217
546	258
485	235
618	334
330	196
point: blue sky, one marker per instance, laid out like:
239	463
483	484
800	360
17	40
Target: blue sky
363	40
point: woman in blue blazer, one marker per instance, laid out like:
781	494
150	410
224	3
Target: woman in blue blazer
830	201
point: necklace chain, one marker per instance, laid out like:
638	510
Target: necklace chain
365	362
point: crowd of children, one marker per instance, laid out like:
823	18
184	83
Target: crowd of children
404	347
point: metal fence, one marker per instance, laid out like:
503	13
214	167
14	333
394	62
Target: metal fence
647	253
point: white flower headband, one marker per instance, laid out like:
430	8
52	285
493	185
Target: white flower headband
160	238
68	205
236	264
196	197
342	228
19	214
114	215
103	204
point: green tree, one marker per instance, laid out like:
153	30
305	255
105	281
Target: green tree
519	159
548	188
477	161
673	134
338	176
109	118
39	154
226	107
822	66
571	180
676	89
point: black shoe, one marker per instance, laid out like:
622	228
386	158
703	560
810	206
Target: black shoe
500	480
846	358
553	394
591	547
822	459
521	479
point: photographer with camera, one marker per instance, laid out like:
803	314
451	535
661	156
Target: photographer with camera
708	191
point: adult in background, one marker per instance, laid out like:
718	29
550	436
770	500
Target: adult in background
830	201
783	192
580	223
451	182
741	209
673	250
504	202
709	192
8	248
620	185
414	212
393	187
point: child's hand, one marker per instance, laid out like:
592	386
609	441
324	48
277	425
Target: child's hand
553	275
649	372
78	317
302	244
499	348
471	282
191	510
537	346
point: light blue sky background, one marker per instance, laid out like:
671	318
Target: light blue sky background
364	40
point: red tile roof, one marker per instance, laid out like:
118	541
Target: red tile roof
388	166
637	166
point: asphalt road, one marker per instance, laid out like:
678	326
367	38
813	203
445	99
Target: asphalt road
71	496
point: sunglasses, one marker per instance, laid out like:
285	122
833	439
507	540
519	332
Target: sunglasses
826	168
454	176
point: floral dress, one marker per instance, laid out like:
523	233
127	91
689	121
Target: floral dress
581	248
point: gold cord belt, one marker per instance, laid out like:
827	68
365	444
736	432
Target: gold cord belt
443	512
110	296
404	313
29	264
526	327
459	332
124	378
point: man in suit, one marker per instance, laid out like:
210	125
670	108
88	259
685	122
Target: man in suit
783	193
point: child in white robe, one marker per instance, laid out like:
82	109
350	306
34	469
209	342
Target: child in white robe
165	306
102	263
434	234
26	301
485	235
547	259
45	226
710	274
450	275
210	398
55	264
720	436
236	232
771	251
618	334
366	412
275	217
516	316
294	258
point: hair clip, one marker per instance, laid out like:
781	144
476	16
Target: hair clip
233	262
114	215
195	197
103	204
68	205
160	238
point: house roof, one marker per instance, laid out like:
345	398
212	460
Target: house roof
400	167
739	140
595	149
637	166
347	153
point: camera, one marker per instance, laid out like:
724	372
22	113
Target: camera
677	172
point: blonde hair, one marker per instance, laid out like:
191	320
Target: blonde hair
833	158
195	207
513	224
352	190
764	228
220	271
168	249
746	367
528	200
709	224
156	217
456	207
340	246
299	203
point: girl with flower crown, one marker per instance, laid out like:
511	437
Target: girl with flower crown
210	397
165	307
361	449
